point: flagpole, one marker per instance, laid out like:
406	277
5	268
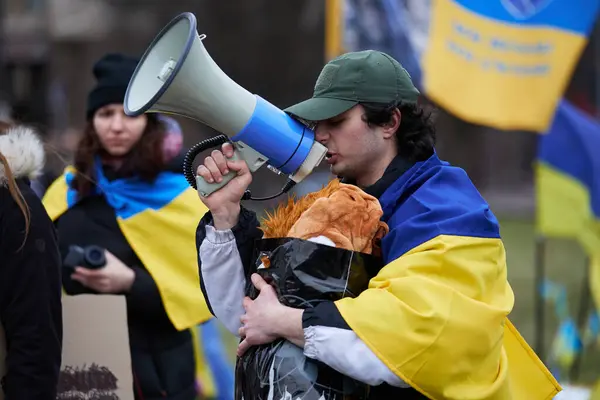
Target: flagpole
333	28
540	259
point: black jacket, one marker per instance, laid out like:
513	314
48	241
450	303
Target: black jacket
162	357
30	289
246	232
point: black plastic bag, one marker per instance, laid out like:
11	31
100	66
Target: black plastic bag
303	274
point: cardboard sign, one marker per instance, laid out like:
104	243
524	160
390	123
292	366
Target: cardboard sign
96	360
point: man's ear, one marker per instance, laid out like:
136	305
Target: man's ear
390	128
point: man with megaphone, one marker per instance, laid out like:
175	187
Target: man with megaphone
433	322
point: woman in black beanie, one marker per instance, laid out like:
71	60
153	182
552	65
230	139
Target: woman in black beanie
120	175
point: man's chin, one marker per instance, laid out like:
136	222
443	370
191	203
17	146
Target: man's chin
342	173
336	170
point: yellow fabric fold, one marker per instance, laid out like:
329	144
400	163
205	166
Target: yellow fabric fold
563	208
437	317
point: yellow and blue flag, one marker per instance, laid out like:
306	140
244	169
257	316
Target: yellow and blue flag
568	178
214	372
568	184
500	63
568	341
504	63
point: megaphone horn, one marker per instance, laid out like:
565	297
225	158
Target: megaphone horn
176	75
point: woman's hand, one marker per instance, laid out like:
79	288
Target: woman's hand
115	277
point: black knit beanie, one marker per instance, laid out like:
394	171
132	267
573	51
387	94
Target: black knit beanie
112	72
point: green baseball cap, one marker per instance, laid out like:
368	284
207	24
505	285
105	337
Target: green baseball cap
367	76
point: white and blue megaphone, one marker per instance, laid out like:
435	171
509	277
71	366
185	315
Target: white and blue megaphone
176	75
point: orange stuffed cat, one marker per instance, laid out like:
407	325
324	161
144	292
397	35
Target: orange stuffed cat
342	213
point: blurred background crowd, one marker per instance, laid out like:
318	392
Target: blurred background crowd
276	49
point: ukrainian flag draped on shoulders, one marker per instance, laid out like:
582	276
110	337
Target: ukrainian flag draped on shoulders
159	221
436	314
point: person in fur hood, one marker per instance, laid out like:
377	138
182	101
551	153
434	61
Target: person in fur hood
30	279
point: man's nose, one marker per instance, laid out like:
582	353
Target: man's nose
321	134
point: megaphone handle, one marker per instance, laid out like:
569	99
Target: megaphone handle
205	188
241	151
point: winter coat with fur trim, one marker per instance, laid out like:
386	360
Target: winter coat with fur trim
30	281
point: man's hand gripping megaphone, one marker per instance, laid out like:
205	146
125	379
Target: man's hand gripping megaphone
224	203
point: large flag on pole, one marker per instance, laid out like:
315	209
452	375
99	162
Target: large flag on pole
568	178
504	63
568	184
499	63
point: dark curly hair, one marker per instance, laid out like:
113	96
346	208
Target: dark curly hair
145	159
415	137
